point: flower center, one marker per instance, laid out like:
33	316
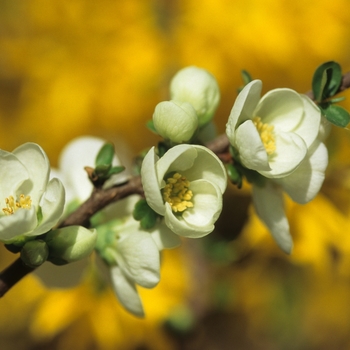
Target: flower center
24	202
177	193
266	134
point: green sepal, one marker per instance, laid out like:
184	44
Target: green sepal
326	80
105	155
336	115
145	214
234	175
150	126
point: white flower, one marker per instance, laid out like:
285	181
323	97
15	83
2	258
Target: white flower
185	186
272	135
198	87
76	155
133	257
277	136
175	121
31	204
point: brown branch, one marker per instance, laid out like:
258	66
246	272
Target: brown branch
98	200
101	198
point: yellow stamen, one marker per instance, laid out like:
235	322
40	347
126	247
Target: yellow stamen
177	193
266	134
24	202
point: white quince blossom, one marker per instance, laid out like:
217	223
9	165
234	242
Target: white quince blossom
77	154
175	121
278	136
31	204
133	257
198	87
185	186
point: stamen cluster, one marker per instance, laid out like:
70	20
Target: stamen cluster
266	134
177	193
24	202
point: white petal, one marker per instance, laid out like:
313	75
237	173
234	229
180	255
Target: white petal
282	108
309	127
207	166
243	108
164	237
268	202
12	174
126	292
207	204
38	166
197	221
150	183
52	206
305	182
250	147
178	158
138	257
22	222
182	228
290	152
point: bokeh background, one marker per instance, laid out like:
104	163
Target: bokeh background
77	67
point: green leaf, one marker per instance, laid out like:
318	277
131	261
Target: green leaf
141	209
326	80
246	77
151	127
149	220
336	115
162	149
116	170
102	170
105	155
234	174
145	214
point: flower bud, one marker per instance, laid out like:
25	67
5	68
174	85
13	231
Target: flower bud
198	87
175	121
70	244
34	253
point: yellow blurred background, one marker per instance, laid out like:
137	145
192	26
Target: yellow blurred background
77	67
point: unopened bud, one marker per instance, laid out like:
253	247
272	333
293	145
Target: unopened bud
70	244
34	253
198	87
175	121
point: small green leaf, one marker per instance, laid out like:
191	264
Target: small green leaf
337	99
145	214
149	220
326	80
336	115
246	77
116	170
102	170
151	127
141	209
105	155
162	149
235	175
